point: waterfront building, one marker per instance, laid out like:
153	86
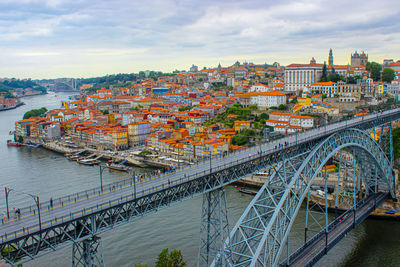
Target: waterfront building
138	133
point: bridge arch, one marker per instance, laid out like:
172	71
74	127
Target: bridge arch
260	234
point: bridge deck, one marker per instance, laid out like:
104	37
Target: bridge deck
321	243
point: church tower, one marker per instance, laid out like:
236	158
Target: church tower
330	60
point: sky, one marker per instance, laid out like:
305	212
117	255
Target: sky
89	38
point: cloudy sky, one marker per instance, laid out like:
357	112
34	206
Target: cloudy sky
86	38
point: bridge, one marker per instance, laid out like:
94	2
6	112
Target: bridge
79	219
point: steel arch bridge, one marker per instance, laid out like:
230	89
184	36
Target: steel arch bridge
260	235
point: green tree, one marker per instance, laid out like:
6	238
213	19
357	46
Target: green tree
375	70
294	101
184	108
334	77
283	107
140	265
35	113
388	75
173	259
264	116
240	140
105	112
253	107
324	73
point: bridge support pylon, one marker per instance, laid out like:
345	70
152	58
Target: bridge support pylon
214	228
88	253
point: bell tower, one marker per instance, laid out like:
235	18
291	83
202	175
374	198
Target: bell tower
330	60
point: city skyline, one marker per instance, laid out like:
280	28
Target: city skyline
55	38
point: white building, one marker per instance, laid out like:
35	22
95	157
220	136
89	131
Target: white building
289	123
328	88
268	99
299	76
302	121
260	88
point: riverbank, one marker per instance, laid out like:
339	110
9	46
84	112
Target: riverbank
55	147
13	107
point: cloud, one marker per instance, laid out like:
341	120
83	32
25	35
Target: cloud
174	34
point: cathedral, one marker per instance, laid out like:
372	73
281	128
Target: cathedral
359	59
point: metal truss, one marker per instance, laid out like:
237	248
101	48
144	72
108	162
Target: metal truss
88	253
128	209
96	220
260	234
214	229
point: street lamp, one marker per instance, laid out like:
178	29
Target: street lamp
8	190
35	198
101	169
134	184
210	158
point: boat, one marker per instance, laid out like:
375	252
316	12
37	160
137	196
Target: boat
72	157
118	167
11	143
246	191
88	161
29	144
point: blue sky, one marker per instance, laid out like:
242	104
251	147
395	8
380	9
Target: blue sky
82	38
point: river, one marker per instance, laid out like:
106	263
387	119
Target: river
47	174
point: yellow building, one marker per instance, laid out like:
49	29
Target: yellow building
380	88
241	125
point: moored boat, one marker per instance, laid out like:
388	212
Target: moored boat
11	143
88	161
246	191
29	144
118	167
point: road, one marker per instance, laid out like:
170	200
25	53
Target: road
95	199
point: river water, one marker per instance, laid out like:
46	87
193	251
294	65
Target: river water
47	174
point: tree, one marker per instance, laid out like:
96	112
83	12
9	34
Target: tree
173	259
105	112
253	107
264	116
375	70
388	75
282	107
35	113
294	101
334	77
324	73
184	108
140	265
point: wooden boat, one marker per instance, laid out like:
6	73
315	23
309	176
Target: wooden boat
72	157
88	161
118	167
11	143
29	144
246	191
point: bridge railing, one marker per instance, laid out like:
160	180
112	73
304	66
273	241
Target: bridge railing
344	216
61	201
129	182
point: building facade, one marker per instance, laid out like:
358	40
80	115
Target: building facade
300	76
